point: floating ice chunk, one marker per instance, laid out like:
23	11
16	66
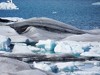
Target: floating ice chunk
54	12
5	43
8	6
48	45
96	3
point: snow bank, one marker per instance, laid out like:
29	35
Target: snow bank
7	6
5	43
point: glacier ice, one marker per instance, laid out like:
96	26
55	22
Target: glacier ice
76	48
48	45
69	47
5	43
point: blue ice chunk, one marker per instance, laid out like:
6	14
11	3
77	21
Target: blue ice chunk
86	48
48	45
54	68
5	44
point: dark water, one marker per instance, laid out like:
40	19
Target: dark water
79	13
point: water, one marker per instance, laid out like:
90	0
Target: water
79	13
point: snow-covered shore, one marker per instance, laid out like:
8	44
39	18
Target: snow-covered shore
50	38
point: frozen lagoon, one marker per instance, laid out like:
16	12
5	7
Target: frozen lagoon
87	45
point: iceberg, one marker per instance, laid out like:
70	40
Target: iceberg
9	5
